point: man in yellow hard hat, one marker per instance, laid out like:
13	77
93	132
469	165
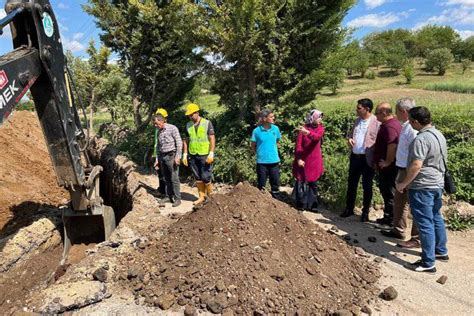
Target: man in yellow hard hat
169	148
161	181
198	149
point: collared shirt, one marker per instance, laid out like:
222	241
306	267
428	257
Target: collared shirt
169	140
266	141
426	148
407	135
360	131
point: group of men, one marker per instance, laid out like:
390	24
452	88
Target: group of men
196	151
407	153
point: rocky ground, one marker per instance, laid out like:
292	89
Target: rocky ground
240	253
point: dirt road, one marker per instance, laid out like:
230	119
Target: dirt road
418	294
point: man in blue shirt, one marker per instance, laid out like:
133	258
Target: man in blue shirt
264	142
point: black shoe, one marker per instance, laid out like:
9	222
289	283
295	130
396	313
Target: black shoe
176	203
419	266
384	221
364	217
347	213
392	233
444	258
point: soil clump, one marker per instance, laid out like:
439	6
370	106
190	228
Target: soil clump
245	252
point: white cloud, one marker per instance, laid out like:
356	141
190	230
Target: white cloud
371	4
63	6
465	34
72	44
374	20
77	36
7	33
468	3
457	16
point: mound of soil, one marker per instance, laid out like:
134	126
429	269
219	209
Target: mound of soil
247	253
27	178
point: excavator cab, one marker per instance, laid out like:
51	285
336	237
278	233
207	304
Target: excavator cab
38	64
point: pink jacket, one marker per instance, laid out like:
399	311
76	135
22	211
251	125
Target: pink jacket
370	137
308	148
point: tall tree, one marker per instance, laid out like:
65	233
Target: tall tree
155	44
270	52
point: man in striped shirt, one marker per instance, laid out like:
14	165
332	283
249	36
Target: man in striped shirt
169	150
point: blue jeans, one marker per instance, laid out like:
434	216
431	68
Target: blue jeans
425	207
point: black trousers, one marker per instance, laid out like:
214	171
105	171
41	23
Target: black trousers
387	177
268	170
358	167
171	175
161	182
202	171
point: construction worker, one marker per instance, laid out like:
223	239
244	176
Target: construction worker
200	145
161	181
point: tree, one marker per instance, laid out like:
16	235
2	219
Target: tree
439	59
396	56
432	37
356	59
156	46
270	52
465	49
465	63
333	68
408	71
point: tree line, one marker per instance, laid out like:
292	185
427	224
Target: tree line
252	53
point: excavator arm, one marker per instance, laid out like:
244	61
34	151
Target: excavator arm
38	64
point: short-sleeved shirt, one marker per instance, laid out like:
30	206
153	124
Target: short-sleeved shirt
266	141
389	133
426	148
407	135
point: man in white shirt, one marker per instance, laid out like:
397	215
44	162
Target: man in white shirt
401	208
361	140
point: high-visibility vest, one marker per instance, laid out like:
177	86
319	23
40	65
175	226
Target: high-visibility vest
155	145
198	142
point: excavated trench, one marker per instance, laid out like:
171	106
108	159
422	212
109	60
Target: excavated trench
31	248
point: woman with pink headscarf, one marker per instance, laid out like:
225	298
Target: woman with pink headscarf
308	164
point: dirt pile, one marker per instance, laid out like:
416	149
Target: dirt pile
27	179
248	253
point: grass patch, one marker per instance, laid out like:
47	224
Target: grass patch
452	87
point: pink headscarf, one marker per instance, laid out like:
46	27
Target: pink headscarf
313	116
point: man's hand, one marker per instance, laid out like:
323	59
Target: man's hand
185	159
401	187
156	165
351	142
210	158
177	160
301	163
383	164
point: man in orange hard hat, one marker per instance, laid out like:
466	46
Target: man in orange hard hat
198	150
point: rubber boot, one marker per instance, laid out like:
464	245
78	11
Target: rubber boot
202	192
208	189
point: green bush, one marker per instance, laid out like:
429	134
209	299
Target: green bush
439	59
408	71
370	75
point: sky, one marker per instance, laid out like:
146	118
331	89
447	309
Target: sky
78	28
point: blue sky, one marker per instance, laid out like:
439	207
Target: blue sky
77	28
